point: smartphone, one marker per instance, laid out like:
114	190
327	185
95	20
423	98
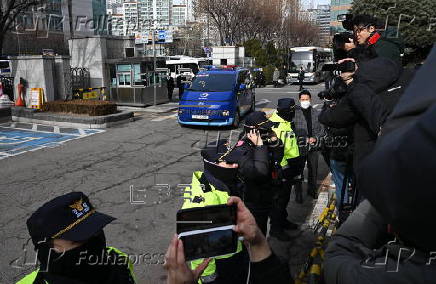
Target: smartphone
207	231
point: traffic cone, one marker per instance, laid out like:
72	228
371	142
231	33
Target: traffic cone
20	102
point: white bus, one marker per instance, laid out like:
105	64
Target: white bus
185	65
312	59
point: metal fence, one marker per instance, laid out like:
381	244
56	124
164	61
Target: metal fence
81	78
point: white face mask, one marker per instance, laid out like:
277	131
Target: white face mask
305	104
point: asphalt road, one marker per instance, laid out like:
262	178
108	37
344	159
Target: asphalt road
267	97
119	169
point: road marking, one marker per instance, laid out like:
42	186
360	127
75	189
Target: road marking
263	101
162	118
15	141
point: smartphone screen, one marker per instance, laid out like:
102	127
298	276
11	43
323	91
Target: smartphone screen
209	244
202	218
207	231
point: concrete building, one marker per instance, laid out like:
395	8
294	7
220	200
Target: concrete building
228	55
338	7
131	24
140	15
323	22
117	24
179	15
87	18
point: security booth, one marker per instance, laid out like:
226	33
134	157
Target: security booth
134	82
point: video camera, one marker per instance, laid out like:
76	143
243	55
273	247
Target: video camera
337	89
346	66
346	20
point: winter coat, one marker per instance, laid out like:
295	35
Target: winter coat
276	75
397	179
362	108
300	129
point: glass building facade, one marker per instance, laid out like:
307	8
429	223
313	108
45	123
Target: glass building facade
338	7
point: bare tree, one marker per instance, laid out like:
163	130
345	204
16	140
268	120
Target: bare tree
9	11
267	20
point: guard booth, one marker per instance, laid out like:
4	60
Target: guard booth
135	83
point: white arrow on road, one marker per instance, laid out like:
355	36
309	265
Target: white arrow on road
263	101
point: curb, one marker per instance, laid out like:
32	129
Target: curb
5	114
53	119
323	198
152	109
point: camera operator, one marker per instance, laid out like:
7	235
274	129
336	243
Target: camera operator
367	37
390	237
357	103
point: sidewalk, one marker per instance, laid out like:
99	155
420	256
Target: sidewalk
161	108
296	251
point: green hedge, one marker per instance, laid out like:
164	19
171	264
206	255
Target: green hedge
91	108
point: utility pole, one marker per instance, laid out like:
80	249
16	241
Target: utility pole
154	50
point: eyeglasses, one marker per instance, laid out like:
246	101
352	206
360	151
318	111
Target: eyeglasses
358	30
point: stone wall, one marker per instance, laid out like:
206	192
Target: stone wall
46	72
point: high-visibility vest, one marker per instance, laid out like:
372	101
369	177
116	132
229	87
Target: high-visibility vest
30	278
212	197
285	133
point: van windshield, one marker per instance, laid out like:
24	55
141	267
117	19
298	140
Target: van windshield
213	83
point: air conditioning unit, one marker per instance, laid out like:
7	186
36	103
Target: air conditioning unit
130	51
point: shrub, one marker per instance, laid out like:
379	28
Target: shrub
269	70
91	108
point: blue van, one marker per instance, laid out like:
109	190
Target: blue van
217	97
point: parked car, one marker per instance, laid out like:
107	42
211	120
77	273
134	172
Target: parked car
217	97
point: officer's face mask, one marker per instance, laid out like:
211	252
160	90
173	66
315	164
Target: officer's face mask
85	263
226	175
287	114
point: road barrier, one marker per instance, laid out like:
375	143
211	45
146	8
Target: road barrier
311	272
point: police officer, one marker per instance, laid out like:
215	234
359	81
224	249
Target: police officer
214	186
68	235
254	165
283	119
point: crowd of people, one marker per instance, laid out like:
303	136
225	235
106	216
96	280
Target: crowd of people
379	142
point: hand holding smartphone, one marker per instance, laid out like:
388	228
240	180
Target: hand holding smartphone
207	231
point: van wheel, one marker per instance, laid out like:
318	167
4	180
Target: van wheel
236	120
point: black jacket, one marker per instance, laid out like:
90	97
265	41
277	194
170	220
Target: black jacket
362	107
254	170
361	252
339	143
270	270
397	178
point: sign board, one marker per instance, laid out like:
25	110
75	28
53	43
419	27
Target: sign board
91	95
36	97
165	36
